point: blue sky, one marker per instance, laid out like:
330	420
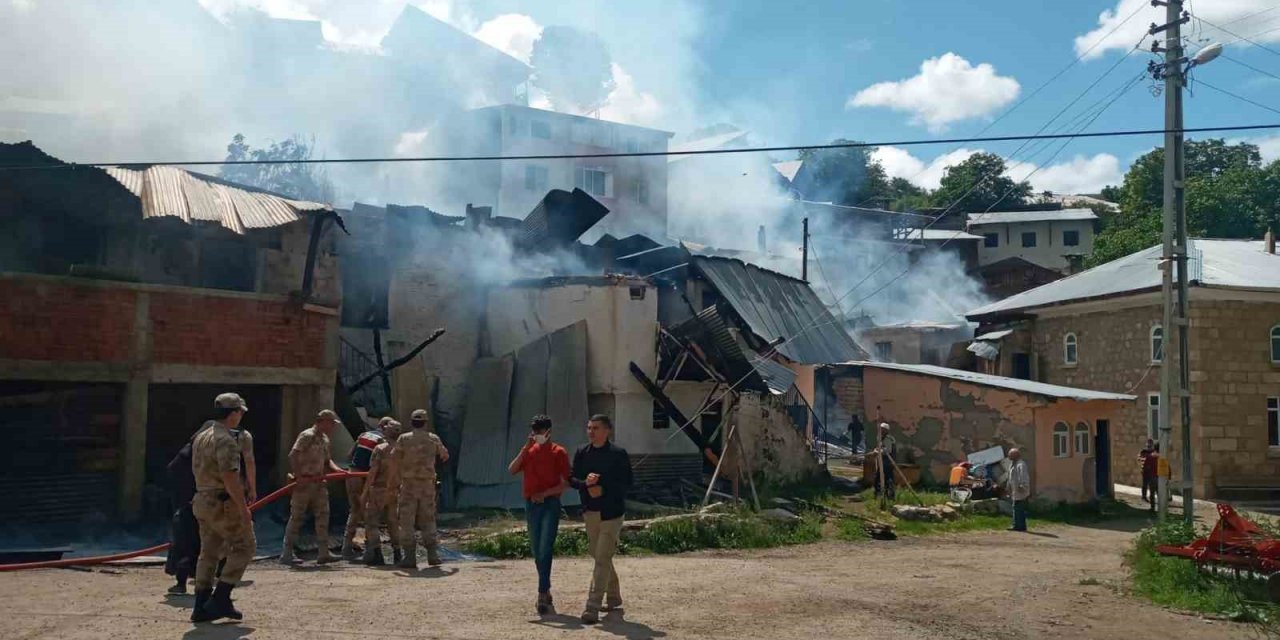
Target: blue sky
810	71
787	71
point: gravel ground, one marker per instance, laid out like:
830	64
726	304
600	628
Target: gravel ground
982	585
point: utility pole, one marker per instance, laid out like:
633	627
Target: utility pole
1175	254
804	253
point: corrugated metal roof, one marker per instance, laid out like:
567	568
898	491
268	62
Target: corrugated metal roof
708	143
940	235
1231	264
170	191
994	335
1014	384
559	219
775	306
1002	217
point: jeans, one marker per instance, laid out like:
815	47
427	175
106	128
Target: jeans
1149	488
544	522
1020	515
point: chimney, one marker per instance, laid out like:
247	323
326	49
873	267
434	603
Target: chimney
761	245
478	216
1270	241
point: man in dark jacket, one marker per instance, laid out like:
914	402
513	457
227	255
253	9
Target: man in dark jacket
602	475
185	549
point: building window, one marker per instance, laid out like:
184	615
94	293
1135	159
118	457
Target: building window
1153	415
1061	440
1070	349
642	191
1029	239
1157	344
596	182
632	145
1070	238
990	240
540	129
535	178
1273	421
513	124
1275	344
1084	439
884	351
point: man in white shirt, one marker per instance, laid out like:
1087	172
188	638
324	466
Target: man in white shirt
1019	490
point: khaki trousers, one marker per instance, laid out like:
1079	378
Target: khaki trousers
355	504
380	507
314	498
417	512
602	544
223	534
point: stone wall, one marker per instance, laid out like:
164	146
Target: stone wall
1232	376
776	449
1113	354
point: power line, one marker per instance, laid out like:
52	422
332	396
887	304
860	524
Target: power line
1238	96
1238	36
1249	66
1253	15
642	154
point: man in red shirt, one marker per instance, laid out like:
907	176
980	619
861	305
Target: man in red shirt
545	465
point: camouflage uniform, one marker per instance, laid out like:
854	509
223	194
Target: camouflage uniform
381	500
359	460
223	531
312	452
414	458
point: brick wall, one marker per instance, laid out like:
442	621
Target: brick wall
1113	354
42	320
208	330
1231	378
69	320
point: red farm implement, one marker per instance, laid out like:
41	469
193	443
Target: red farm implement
1235	543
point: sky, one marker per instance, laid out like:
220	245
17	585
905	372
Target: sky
875	70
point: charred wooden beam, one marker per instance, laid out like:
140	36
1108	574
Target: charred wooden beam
382	367
313	249
395	363
670	408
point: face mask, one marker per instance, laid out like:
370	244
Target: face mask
540	438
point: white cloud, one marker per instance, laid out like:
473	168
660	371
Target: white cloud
947	89
511	33
899	163
1080	174
1268	146
1251	18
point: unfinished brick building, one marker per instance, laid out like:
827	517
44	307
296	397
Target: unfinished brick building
1101	329
128	299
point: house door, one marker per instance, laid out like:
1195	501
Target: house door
1022	366
1102	457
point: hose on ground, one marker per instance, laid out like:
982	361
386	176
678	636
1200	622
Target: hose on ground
94	560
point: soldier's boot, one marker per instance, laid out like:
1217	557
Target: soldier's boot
433	556
286	550
219	605
323	554
396	555
348	547
197	611
373	555
409	559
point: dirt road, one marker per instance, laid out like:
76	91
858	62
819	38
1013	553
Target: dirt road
983	585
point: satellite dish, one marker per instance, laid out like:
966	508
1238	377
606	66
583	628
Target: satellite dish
1206	54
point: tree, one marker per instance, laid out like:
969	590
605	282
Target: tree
1228	194
905	196
293	179
573	67
845	175
979	184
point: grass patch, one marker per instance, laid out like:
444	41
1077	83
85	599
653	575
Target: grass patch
739	530
963	524
1178	583
850	530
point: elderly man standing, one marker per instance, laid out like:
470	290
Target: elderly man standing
1019	490
309	460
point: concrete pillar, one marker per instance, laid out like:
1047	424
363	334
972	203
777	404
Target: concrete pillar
133	431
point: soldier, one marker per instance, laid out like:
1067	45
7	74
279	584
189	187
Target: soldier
226	526
361	453
413	470
309	459
378	499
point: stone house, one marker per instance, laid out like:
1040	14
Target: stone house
129	298
1101	329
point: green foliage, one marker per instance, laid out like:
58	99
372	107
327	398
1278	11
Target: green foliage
1177	582
851	530
740	530
293	179
1229	194
847	176
978	184
573	67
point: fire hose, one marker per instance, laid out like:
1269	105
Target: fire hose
93	560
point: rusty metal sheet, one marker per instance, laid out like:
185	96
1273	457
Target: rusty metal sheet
484	431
